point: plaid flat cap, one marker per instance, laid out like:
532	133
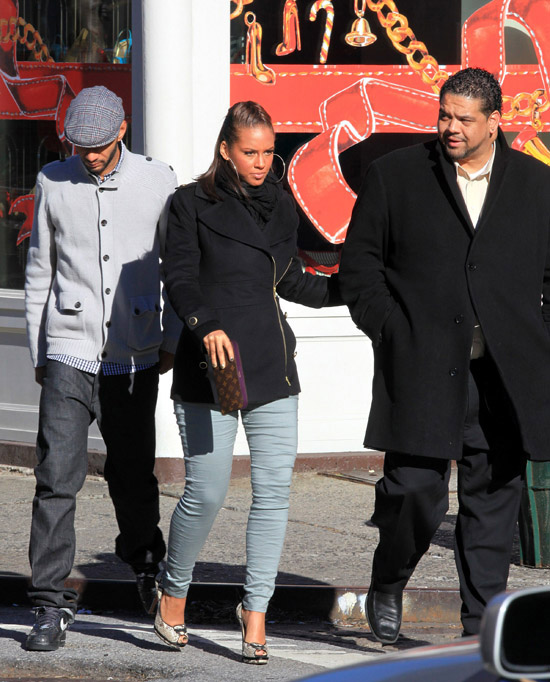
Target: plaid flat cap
94	117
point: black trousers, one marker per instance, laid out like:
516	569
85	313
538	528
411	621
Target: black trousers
412	500
124	407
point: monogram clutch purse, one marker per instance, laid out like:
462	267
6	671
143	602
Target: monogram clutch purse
228	384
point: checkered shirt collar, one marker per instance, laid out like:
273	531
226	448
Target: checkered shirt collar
116	168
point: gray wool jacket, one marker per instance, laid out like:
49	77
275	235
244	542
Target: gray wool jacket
93	282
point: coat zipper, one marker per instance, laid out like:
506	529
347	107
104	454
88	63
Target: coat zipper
275	282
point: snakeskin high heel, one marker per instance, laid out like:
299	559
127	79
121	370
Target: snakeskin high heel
170	634
250	649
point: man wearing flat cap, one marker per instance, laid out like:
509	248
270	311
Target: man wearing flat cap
98	343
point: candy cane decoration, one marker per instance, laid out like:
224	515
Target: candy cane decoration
329	9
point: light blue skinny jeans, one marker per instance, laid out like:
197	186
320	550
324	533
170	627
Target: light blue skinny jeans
208	438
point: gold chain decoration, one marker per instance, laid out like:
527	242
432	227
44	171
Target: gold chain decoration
526	105
16	28
523	105
398	30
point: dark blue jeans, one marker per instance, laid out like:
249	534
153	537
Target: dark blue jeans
124	407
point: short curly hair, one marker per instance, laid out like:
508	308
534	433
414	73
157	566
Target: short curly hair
475	83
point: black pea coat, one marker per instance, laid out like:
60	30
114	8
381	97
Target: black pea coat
415	274
222	271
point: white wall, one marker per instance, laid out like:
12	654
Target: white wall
335	368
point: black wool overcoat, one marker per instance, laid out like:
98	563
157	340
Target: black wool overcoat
415	274
222	271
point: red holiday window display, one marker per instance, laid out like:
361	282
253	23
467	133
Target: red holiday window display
345	104
38	88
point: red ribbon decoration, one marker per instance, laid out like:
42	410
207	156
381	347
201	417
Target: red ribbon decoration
353	114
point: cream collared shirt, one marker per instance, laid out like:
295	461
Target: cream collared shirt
473	187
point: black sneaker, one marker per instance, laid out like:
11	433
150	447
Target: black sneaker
147	589
49	631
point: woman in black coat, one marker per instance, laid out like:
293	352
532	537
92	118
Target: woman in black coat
230	254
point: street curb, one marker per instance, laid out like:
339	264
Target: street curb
215	602
171	470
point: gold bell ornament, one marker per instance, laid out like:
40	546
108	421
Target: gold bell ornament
360	34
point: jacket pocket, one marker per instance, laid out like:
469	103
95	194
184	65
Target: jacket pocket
386	331
144	330
66	319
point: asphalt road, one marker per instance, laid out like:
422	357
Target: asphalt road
123	647
329	543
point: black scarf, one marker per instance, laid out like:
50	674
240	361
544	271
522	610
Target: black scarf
261	199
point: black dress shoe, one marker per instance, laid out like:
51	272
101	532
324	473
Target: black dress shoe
50	629
146	583
384	613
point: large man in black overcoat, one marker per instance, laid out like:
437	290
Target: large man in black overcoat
446	268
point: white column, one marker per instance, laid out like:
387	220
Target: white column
181	87
180	94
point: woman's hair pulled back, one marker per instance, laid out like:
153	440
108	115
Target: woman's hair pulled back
221	172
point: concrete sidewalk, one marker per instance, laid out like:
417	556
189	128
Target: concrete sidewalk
324	571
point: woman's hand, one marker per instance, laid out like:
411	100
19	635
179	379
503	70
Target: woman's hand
219	348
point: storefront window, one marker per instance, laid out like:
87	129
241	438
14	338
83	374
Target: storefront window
346	82
81	31
49	51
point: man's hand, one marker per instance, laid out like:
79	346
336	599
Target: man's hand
166	361
39	374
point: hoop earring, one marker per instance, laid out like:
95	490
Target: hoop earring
230	160
284	168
